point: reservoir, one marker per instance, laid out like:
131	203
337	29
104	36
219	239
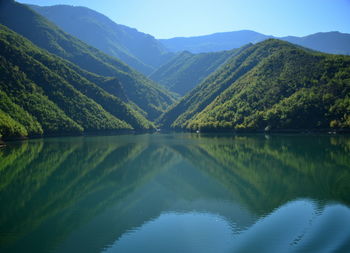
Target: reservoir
176	192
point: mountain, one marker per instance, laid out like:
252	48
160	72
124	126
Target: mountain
148	97
42	94
327	42
187	70
272	85
213	42
139	50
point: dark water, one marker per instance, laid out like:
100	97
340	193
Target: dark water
176	193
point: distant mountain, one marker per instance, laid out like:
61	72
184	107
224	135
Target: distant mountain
139	50
43	94
187	70
328	42
146	96
214	42
272	85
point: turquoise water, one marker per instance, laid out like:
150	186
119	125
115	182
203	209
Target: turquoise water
176	193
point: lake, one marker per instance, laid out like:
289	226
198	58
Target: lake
176	192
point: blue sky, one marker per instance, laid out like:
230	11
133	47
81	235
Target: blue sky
166	19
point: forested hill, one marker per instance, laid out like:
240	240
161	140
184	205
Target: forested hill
54	84
150	98
273	85
139	50
42	94
187	70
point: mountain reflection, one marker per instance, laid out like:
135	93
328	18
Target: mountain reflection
89	194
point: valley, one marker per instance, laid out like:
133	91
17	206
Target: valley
62	75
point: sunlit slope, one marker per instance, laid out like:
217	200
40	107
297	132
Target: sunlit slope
187	70
150	97
139	50
44	94
272	85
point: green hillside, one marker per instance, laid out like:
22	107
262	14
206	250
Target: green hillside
43	94
271	85
187	70
148	96
141	51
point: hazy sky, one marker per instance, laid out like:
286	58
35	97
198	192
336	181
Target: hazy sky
173	18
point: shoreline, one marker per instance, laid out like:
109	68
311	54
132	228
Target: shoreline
3	141
135	132
262	131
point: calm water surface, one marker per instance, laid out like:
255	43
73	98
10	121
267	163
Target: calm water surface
176	193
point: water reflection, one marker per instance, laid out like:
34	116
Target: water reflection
176	193
175	232
298	226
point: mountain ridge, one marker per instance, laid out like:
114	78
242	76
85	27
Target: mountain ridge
139	50
185	71
333	42
270	85
149	97
42	95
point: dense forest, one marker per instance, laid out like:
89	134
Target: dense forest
112	140
42	94
56	85
273	85
139	50
151	98
187	70
52	83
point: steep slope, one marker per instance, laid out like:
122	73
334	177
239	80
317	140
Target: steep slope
187	70
148	96
15	121
141	51
213	42
327	42
271	85
45	95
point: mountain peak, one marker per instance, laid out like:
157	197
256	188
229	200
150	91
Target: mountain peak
139	50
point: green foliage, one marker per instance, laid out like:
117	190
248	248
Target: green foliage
147	95
10	127
29	96
78	107
18	114
271	85
48	95
140	51
187	70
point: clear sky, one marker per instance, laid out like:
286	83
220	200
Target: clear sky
174	18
